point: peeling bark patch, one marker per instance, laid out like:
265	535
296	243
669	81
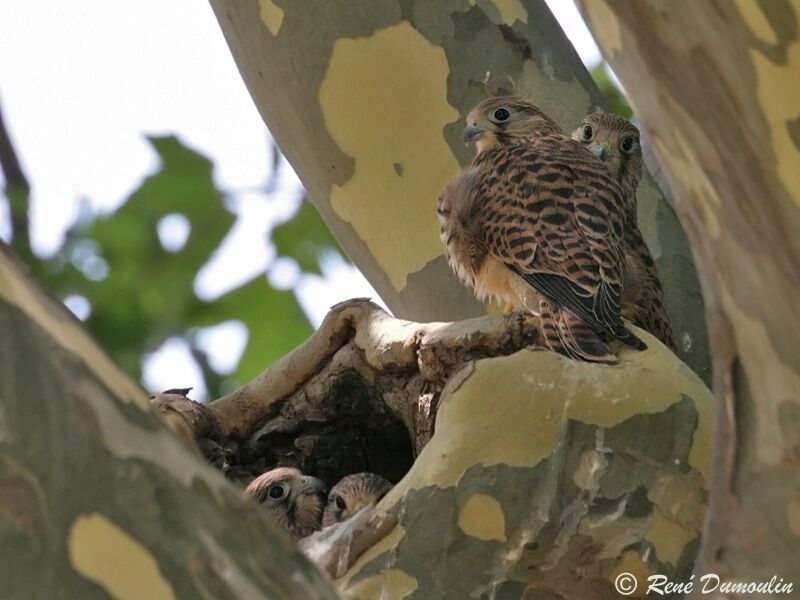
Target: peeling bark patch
756	20
482	517
105	554
271	15
779	104
399	582
383	116
668	537
507	10
604	24
544	390
631	562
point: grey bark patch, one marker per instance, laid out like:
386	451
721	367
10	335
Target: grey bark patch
71	471
543	511
438	295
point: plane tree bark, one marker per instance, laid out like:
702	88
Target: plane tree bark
715	85
99	498
367	100
530	475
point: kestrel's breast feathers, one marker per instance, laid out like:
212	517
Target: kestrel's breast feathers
552	214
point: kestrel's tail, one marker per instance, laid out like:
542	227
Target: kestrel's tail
570	336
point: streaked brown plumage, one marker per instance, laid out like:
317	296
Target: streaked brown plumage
351	494
615	141
538	217
294	500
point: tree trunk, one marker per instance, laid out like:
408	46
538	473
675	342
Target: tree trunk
367	100
717	86
98	497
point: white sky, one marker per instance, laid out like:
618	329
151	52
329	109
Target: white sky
83	81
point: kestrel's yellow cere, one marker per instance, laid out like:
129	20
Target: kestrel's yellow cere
537	218
351	494
294	500
616	142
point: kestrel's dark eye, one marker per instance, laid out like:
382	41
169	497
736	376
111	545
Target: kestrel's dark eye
277	492
627	145
340	503
588	132
501	114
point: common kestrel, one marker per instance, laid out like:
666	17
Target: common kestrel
351	494
294	500
615	141
536	216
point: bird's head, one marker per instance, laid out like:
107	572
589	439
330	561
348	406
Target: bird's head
615	141
295	500
353	493
506	120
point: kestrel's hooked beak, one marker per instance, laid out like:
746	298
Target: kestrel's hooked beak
603	152
311	485
473	132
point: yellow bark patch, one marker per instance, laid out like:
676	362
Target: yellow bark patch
383	110
394	584
683	159
390	542
780	104
766	369
482	517
630	563
66	331
668	537
542	390
271	15
756	20
105	554
604	25
510	10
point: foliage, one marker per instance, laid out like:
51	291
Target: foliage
142	294
612	92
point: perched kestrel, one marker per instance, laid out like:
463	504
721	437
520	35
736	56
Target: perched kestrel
351	494
294	500
616	142
538	217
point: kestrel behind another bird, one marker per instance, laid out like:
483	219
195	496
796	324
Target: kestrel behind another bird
616	142
351	494
294	500
537	216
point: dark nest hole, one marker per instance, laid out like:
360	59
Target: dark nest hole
345	429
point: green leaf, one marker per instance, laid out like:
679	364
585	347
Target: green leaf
614	96
305	238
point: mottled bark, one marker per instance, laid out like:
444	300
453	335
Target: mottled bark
360	395
367	99
543	475
716	86
98	498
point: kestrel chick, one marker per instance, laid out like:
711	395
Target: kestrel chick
296	501
351	494
537	215
616	142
